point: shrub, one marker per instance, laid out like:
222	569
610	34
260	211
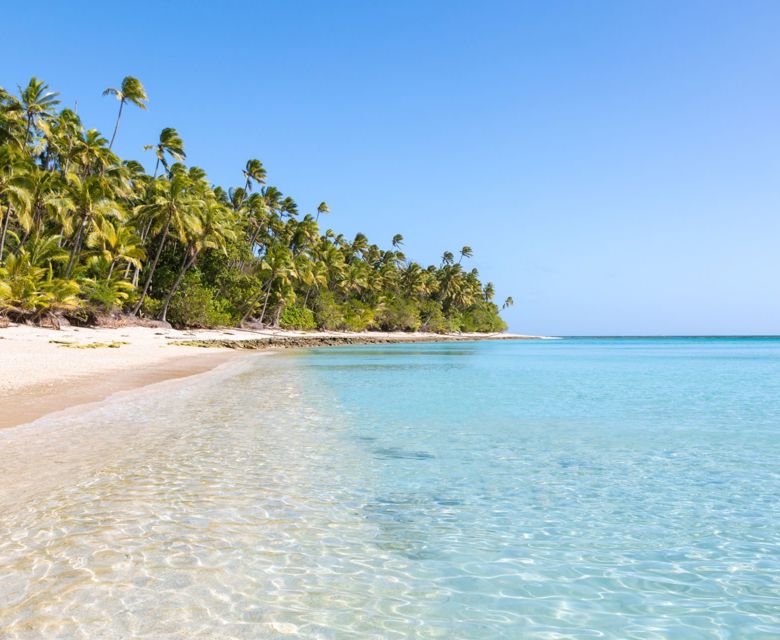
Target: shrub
482	317
297	317
105	295
151	307
196	305
328	314
31	292
358	316
398	314
433	319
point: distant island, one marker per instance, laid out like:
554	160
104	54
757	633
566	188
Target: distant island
86	236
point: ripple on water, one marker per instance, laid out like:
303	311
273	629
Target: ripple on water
245	505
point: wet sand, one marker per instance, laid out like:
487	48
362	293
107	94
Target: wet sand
44	370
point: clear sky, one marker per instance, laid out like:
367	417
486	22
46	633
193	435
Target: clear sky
614	165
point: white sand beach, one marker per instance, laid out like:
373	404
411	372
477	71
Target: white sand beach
45	370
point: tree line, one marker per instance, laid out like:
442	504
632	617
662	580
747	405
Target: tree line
84	234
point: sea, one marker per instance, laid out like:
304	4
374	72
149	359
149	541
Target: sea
604	488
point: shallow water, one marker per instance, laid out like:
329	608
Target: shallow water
576	488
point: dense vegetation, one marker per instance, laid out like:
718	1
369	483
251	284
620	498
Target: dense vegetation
84	234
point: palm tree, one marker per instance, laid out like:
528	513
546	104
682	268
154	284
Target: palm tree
277	265
131	91
113	243
253	172
92	199
508	303
38	103
62	135
15	189
213	231
77	224
171	144
172	205
322	208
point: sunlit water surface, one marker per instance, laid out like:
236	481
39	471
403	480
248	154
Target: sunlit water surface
561	489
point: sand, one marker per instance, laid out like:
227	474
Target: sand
44	370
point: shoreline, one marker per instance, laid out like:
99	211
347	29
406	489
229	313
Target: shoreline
44	371
57	449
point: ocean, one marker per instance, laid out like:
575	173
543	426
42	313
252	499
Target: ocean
574	488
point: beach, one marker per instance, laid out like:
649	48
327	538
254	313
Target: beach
470	489
46	370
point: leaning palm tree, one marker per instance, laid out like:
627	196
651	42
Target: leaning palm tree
465	252
508	303
211	230
323	208
173	205
170	144
253	172
131	91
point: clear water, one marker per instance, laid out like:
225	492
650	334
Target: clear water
625	488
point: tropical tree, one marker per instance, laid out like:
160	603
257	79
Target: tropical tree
172	205
169	144
131	90
14	189
322	208
84	232
212	231
37	103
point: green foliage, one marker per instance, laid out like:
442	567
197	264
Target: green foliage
105	296
328	314
398	314
432	318
196	305
31	291
84	233
297	317
151	307
357	316
482	318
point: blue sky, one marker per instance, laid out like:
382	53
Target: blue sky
614	165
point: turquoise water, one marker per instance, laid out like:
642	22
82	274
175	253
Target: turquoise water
577	488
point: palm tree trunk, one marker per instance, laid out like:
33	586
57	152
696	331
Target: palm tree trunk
255	299
116	126
252	241
137	272
278	314
163	236
265	302
77	242
29	129
6	219
186	266
111	270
